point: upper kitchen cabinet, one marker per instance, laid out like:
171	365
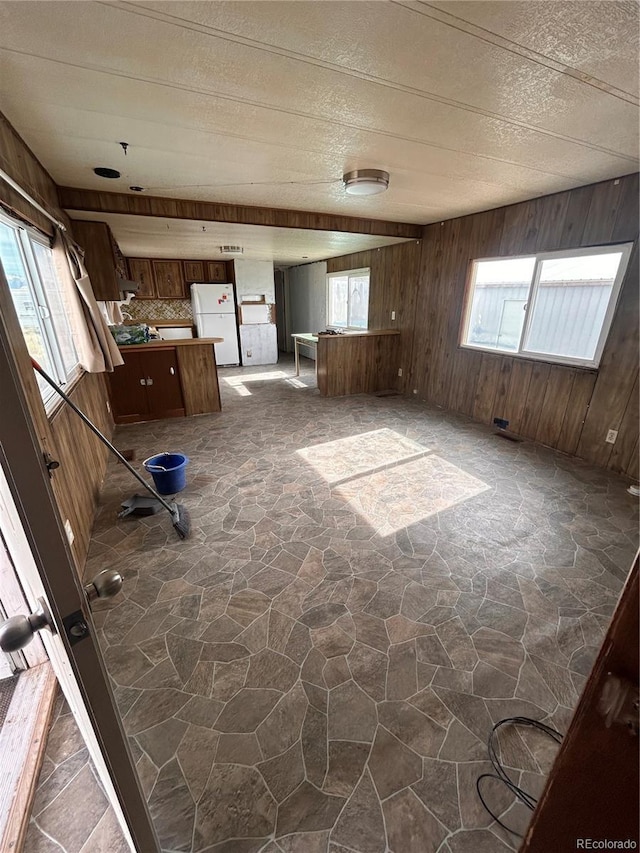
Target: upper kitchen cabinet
101	258
169	281
140	271
193	271
217	272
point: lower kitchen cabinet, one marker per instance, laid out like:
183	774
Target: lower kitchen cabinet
159	381
146	387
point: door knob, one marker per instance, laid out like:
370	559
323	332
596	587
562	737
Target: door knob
18	631
105	585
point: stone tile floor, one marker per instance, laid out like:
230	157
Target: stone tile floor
371	583
70	813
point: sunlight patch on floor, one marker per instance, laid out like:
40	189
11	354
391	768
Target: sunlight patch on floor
347	458
404	494
238	382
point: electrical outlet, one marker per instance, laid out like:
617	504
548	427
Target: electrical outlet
612	435
415	390
399	371
393	315
69	531
248	353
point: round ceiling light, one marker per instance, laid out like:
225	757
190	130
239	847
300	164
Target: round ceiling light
104	172
366	181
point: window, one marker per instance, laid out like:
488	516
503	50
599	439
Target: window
555	306
348	299
40	302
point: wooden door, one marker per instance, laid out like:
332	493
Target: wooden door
35	537
217	272
592	789
169	281
127	390
163	388
193	271
140	271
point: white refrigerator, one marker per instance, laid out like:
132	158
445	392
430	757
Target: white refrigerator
214	312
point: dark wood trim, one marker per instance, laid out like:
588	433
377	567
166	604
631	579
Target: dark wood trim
207	211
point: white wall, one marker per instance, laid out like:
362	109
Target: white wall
255	277
307	305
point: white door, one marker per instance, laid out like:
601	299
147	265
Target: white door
39	550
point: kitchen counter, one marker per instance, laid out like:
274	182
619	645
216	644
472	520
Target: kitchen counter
357	362
365	333
165	379
171	344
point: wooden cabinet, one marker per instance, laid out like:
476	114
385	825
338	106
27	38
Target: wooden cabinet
193	271
146	387
217	271
163	381
100	259
140	271
169	280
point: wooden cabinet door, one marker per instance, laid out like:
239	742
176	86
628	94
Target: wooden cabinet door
193	271
140	271
164	391
217	271
95	238
127	390
169	281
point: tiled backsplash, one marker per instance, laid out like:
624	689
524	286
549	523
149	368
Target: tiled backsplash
160	309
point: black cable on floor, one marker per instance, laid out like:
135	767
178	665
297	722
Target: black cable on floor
501	774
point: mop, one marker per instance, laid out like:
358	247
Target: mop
137	505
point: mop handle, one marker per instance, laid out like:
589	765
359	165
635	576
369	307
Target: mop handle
94	429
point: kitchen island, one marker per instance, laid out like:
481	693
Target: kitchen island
165	379
357	362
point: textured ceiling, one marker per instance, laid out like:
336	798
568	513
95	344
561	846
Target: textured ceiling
469	105
150	237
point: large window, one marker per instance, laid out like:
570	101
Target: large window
40	302
555	306
348	299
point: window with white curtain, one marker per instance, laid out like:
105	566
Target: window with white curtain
348	299
553	306
40	302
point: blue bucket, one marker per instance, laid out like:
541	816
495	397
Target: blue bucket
169	472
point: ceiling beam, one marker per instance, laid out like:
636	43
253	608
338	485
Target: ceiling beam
208	211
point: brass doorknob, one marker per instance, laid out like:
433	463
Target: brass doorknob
105	585
18	631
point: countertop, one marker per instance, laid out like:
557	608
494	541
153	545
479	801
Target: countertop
366	333
178	342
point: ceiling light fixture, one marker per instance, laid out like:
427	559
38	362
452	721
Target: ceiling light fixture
136	189
365	181
231	250
104	172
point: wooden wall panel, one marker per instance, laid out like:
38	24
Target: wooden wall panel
76	483
392	287
205	211
564	407
82	457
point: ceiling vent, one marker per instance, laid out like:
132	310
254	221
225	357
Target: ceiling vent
231	250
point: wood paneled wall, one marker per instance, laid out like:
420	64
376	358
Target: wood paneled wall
208	211
392	287
564	407
82	457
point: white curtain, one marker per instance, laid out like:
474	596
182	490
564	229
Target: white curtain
96	348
